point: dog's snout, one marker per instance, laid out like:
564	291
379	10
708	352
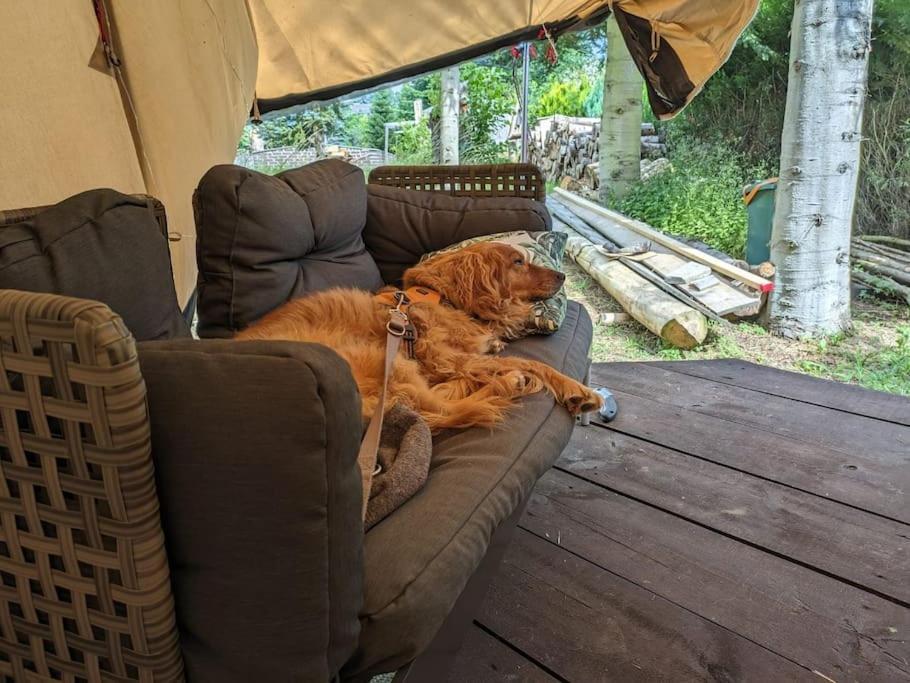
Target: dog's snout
560	277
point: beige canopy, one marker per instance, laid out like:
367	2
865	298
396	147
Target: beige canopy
72	119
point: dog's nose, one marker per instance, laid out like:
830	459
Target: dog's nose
561	277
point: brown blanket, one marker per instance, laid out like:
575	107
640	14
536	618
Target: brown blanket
405	447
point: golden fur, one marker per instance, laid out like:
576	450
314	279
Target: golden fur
453	381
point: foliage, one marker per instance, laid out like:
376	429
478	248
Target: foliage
489	102
883	369
382	111
569	99
312	127
699	197
412	144
883	202
356	129
742	107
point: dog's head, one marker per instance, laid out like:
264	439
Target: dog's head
487	280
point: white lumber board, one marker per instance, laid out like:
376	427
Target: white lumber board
722	299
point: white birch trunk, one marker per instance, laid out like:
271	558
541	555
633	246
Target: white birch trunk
620	132
819	164
448	116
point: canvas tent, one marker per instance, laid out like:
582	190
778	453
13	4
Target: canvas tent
185	73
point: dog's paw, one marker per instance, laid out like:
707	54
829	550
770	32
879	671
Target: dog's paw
585	402
497	345
518	381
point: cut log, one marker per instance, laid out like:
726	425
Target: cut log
617	220
895	274
883	285
882	250
858	253
671	320
886	239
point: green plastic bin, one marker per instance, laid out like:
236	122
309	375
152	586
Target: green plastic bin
759	200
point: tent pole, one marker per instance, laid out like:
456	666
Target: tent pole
525	77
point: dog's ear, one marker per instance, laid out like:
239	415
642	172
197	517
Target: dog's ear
470	281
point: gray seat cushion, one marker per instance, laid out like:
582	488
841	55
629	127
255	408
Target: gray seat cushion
262	239
100	245
403	225
418	560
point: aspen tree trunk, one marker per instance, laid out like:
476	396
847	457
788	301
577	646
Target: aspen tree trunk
819	164
619	159
448	117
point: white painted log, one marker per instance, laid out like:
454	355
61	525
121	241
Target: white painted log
820	155
668	318
620	132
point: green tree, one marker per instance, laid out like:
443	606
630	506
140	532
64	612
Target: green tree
382	111
490	102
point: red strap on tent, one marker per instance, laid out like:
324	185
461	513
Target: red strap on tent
104	29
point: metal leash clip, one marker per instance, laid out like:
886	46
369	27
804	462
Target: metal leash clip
400	325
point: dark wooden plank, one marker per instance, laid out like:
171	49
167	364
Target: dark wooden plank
837	395
875	487
862	548
484	659
824	625
859	436
586	624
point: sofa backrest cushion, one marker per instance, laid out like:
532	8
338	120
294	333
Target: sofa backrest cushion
262	240
403	225
100	245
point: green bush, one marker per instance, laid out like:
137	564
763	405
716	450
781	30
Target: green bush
412	144
569	98
699	197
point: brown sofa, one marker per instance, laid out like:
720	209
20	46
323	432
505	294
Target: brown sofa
254	443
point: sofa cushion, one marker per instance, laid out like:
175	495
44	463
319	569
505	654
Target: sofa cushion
262	239
100	245
260	496
403	225
418	560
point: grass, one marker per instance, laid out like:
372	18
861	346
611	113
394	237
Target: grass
875	354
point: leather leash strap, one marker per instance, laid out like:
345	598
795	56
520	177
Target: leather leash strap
396	329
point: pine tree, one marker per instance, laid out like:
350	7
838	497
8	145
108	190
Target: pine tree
382	111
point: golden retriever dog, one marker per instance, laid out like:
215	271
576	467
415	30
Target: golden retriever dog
453	380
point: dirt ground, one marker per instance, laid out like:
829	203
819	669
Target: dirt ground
875	354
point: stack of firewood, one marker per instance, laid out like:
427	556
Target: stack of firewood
568	147
882	263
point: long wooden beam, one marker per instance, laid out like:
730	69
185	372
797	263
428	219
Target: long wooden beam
657	237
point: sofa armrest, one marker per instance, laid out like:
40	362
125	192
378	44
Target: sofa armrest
255	449
403	225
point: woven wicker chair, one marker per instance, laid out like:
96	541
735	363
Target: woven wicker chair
485	180
85	591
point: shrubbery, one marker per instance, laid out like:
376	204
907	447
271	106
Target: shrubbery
698	197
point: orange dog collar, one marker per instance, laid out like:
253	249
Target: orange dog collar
416	295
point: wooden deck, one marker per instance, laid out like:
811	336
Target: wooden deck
734	523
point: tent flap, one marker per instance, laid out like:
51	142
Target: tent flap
315	51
